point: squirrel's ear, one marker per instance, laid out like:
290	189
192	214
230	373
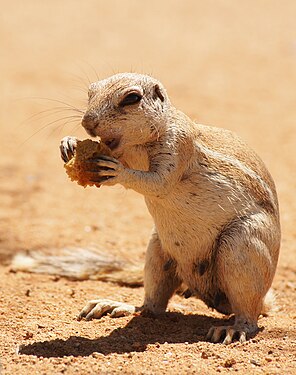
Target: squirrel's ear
158	93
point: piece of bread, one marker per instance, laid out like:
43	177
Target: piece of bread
85	150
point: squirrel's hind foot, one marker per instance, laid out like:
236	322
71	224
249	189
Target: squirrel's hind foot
228	334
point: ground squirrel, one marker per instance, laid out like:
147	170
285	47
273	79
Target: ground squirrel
213	202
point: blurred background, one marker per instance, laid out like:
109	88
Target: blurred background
226	63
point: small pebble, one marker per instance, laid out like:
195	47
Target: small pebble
254	362
229	362
204	355
28	335
97	355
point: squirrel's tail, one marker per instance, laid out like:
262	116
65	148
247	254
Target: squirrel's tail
80	264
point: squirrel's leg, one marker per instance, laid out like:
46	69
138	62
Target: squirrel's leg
157	182
160	283
246	261
160	279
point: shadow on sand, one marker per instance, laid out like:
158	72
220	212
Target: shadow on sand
135	336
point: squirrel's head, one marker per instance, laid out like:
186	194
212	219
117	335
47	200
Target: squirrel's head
126	109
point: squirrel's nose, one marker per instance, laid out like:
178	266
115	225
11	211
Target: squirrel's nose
89	121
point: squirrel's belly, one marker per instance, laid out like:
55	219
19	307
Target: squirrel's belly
188	223
185	237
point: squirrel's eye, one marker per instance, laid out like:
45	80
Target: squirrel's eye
130	99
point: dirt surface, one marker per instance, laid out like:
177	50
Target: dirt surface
226	63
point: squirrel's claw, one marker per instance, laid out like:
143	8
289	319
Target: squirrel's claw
227	334
67	148
104	168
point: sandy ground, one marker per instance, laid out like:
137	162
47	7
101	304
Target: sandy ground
228	63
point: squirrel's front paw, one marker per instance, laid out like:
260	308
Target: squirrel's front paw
67	148
105	170
95	309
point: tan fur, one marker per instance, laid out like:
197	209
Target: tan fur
213	201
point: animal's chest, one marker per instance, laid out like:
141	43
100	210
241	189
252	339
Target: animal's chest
189	218
188	221
184	230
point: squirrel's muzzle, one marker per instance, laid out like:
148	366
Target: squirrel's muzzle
89	122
